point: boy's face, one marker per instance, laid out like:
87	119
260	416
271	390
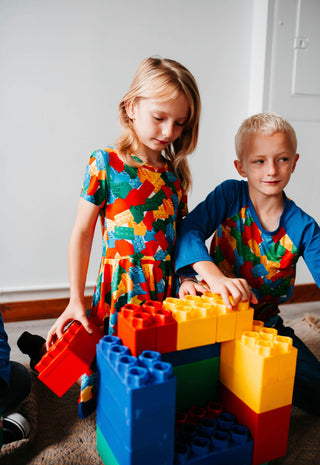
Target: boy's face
267	162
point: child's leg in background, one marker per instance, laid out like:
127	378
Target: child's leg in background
306	394
19	388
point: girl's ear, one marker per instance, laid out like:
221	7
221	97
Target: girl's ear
129	106
238	165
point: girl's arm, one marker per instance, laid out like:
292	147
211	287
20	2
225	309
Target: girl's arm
78	260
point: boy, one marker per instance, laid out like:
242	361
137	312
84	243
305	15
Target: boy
259	236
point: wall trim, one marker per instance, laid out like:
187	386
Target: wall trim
39	292
36	309
52	308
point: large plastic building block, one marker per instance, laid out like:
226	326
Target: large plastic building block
147	327
194	354
269	430
119	451
167	328
196	324
231	322
206	319
136	329
68	358
196	382
104	450
137	397
205	441
259	368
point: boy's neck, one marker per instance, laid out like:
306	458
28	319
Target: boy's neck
268	209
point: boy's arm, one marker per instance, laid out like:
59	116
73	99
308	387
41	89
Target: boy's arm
218	283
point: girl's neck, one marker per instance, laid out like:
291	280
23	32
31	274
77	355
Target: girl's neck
154	159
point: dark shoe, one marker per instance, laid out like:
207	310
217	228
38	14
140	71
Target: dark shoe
31	344
15	427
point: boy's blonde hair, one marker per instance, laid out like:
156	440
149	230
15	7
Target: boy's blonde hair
264	123
162	78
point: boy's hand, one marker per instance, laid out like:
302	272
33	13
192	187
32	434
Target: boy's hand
237	288
190	287
73	312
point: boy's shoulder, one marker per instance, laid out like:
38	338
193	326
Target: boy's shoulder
232	187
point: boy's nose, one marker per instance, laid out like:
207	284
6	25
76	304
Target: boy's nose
272	168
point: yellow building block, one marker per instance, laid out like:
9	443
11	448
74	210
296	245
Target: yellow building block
231	322
197	325
259	368
222	323
259	400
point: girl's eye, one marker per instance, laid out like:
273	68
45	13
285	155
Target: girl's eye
180	124
157	118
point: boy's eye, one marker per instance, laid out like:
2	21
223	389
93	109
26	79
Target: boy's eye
258	162
283	159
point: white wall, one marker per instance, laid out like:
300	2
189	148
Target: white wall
65	64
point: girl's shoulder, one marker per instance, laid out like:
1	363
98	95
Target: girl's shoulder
105	157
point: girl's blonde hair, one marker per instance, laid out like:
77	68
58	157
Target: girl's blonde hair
264	123
162	79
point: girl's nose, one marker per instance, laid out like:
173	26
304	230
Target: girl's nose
167	130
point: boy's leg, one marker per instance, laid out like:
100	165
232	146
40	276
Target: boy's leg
20	386
307	379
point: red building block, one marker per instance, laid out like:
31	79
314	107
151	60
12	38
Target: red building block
269	429
136	329
167	327
68	358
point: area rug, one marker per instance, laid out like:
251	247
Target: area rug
304	434
59	437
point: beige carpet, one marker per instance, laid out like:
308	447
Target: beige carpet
59	437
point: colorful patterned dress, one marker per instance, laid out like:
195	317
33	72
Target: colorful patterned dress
140	210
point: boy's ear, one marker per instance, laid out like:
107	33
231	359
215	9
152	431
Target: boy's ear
238	165
295	162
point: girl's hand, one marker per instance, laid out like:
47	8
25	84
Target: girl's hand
73	312
237	288
190	287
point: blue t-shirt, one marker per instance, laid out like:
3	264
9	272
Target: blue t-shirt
242	248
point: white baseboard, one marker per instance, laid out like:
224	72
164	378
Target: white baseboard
27	293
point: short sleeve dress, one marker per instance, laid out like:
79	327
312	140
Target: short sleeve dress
140	210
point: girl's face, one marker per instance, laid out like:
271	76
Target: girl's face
157	123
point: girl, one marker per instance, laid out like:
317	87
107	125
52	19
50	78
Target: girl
139	191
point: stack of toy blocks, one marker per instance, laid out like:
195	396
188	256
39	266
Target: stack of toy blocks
207	345
188	333
136	406
68	358
257	377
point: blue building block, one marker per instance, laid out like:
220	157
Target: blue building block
194	354
136	396
218	442
117	448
